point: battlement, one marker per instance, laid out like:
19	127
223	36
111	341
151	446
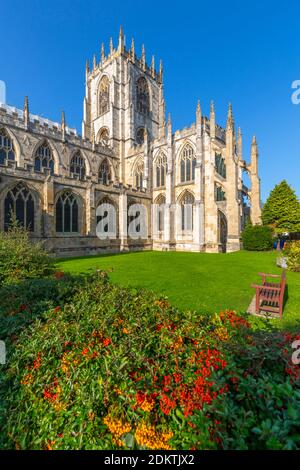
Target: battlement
128	54
11	115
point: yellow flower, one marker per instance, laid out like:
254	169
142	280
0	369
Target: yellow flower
147	436
222	333
116	426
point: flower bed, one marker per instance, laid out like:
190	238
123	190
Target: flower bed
111	368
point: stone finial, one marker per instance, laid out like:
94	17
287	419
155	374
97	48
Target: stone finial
212	120
94	62
143	58
160	71
230	121
102	55
63	125
26	112
132	51
240	144
121	40
111	46
198	113
153	67
254	156
169	125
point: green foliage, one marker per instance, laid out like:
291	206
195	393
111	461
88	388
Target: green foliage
292	253
20	258
257	238
105	367
282	209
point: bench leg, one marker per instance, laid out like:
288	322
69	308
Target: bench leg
257	302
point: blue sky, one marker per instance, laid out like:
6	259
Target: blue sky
246	52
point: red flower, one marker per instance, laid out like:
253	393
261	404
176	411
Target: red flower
85	351
59	274
37	363
106	341
57	309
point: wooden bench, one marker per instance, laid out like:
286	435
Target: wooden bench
270	295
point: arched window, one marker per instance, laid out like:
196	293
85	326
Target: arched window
187	164
219	193
160	170
66	211
160	201
19	205
104	172
142	96
104	95
44	158
7	151
187	205
103	136
77	165
220	165
108	223
140	136
139	174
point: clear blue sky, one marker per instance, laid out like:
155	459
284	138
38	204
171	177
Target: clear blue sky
246	52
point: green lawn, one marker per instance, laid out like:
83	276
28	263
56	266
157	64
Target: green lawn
200	281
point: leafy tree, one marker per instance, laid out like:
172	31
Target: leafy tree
257	238
21	258
282	209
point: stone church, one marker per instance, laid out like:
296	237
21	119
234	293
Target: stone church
53	180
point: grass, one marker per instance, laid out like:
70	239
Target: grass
198	281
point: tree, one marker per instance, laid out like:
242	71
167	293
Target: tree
257	238
282	209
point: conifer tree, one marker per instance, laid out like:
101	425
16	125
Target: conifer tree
282	209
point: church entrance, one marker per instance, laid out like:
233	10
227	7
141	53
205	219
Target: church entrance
222	231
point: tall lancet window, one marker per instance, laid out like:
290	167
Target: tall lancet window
77	165
66	212
187	164
160	201
104	172
19	205
187	208
7	151
139	174
142	96
104	95
44	158
160	170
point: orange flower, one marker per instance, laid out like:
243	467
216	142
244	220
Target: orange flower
125	331
106	341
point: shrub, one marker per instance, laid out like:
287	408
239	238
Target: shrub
292	253
257	238
20	258
113	368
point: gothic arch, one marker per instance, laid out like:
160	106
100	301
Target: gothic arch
187	154
15	188
55	154
17	147
138	172
185	199
143	95
160	169
103	95
83	155
103	135
222	230
60	227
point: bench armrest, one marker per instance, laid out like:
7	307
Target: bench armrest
269	275
255	286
